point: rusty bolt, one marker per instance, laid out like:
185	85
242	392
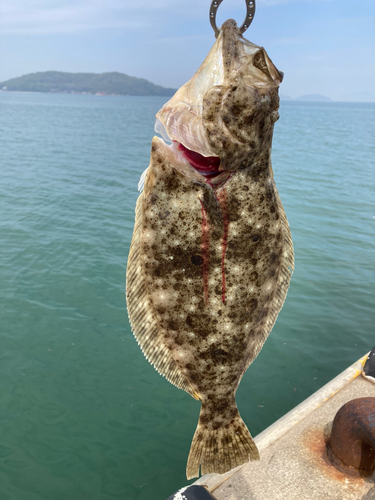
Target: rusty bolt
352	439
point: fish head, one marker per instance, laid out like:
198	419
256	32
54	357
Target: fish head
222	119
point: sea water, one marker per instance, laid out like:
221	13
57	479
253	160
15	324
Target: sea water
82	414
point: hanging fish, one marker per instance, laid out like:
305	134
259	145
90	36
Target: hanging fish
211	256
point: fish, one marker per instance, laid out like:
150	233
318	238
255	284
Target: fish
211	255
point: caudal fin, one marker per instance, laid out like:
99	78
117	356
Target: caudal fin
222	449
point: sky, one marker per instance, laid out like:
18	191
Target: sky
323	46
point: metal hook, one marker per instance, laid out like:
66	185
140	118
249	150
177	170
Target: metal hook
250	12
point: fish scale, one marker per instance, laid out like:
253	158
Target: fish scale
211	257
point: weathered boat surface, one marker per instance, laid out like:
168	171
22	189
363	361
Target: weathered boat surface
294	461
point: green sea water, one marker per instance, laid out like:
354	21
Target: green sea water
82	413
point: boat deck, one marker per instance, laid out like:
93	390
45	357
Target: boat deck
294	464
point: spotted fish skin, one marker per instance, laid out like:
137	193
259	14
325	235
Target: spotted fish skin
211	257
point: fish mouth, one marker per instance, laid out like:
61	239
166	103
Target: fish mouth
196	164
208	166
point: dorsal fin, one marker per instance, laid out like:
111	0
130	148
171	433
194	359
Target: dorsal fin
286	271
143	323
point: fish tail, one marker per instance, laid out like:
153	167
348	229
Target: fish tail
220	445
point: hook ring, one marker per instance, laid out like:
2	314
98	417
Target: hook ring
250	12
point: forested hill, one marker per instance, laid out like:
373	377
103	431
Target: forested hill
90	83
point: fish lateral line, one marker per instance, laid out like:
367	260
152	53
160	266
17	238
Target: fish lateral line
205	246
222	200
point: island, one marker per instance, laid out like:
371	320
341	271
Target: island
113	83
313	97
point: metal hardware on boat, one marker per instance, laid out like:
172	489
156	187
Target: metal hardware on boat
192	492
250	12
369	369
351	446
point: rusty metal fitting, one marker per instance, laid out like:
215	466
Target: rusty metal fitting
351	446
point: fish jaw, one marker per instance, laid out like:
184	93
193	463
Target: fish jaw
228	108
192	165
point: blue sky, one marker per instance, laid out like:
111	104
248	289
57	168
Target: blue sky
322	46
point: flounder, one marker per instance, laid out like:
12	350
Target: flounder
211	256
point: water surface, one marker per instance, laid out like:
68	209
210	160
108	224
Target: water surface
82	413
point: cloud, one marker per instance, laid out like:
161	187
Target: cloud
67	16
270	3
38	17
60	16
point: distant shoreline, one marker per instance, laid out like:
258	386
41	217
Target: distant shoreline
74	93
290	100
113	83
121	84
